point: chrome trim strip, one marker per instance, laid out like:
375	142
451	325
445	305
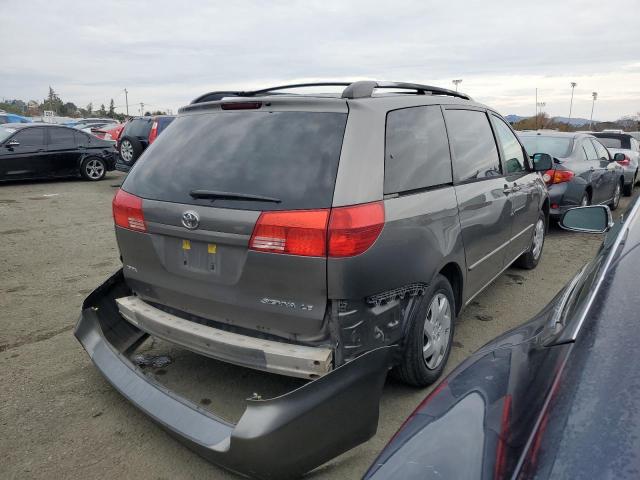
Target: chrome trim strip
497	275
493	252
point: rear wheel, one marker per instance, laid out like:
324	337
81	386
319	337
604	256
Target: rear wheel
429	336
93	169
130	149
628	189
617	193
586	200
529	259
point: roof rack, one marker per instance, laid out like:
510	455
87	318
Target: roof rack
360	89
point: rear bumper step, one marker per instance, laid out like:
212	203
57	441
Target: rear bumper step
279	438
267	355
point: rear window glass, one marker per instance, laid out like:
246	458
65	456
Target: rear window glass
290	156
611	142
139	127
558	147
163	123
416	150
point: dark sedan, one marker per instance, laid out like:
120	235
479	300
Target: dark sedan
558	397
584	172
36	150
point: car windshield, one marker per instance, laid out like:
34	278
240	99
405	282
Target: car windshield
289	156
6	133
558	147
611	142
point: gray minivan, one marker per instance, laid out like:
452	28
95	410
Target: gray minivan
293	233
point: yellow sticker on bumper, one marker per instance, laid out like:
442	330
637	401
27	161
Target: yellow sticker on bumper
211	248
186	245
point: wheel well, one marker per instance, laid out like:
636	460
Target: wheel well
452	272
589	191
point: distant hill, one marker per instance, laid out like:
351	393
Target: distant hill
576	122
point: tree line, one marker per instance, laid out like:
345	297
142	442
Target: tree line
55	104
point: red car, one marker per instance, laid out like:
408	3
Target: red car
110	132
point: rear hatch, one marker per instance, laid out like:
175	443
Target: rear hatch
202	187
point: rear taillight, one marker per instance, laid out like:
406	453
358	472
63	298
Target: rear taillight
153	134
352	230
551	177
298	232
127	211
624	162
337	232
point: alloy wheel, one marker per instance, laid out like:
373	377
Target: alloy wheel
126	150
94	169
538	238
437	329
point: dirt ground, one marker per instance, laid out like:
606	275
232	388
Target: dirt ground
60	419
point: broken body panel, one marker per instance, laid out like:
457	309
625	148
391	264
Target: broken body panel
323	418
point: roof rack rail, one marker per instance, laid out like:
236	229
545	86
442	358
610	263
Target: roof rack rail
365	89
359	89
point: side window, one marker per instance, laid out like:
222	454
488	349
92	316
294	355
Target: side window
81	139
590	150
62	137
602	152
514	159
30	137
474	148
635	146
416	150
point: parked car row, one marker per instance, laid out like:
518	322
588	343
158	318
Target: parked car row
584	171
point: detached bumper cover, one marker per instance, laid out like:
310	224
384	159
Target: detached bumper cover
282	437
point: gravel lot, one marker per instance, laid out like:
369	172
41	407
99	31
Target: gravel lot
60	419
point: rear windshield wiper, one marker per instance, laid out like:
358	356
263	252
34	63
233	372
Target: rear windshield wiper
216	194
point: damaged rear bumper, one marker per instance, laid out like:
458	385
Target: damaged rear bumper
282	437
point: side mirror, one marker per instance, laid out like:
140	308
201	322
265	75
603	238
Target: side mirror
619	157
12	143
591	219
542	162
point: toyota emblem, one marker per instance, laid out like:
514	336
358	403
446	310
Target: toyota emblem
190	220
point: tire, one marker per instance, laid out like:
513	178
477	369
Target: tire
414	369
130	149
628	189
529	259
93	169
617	193
586	200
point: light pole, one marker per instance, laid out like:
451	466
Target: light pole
573	85
126	100
456	82
593	103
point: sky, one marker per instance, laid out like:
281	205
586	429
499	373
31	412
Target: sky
166	53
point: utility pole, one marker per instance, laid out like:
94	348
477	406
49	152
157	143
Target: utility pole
593	103
540	106
573	86
126	100
536	117
456	82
